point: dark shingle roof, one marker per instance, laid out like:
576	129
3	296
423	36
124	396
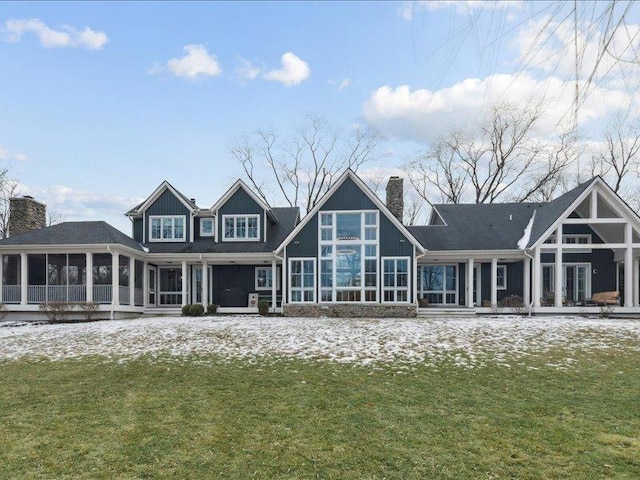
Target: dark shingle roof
492	226
276	233
74	233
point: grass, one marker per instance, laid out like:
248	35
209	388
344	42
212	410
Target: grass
295	419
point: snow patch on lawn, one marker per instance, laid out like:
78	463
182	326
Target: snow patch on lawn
467	342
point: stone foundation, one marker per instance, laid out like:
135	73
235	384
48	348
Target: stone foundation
349	310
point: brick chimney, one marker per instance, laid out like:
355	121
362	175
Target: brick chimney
25	215
395	196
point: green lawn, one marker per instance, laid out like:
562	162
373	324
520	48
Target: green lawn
296	419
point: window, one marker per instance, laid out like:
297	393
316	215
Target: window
206	227
167	229
573	239
241	227
348	251
438	284
264	278
501	277
395	279
302	280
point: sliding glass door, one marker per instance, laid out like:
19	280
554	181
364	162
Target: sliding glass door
438	284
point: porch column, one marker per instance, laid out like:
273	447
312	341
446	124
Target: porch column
145	284
132	281
115	278
526	291
470	283
205	284
537	284
24	279
628	267
494	282
185	279
89	277
636	277
274	284
558	270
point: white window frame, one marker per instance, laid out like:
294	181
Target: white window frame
303	288
173	228
213	227
235	218
395	289
552	240
444	291
504	277
552	266
268	287
335	243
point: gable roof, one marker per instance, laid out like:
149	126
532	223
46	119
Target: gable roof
483	226
367	191
239	184
140	208
74	233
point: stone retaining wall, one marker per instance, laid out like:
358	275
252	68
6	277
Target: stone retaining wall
350	310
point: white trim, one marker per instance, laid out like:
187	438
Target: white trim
269	269
551	240
367	191
235	218
156	194
213	226
552	280
173	227
303	288
395	289
444	290
233	189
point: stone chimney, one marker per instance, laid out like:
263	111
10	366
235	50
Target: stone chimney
395	196
25	215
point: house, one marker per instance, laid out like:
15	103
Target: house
350	255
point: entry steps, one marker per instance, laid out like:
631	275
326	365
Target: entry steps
446	312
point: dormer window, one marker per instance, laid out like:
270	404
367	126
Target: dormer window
206	227
241	228
167	228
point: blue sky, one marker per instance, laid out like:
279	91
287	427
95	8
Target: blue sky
101	102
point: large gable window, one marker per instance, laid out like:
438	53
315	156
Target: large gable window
348	256
241	228
167	228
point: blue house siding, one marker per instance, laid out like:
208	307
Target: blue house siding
232	284
196	230
240	203
138	230
167	204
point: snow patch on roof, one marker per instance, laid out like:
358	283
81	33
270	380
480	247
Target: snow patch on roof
524	241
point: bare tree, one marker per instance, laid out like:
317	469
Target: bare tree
499	160
621	155
303	168
8	189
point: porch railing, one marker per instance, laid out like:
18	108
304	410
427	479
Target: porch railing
56	293
102	293
11	293
123	292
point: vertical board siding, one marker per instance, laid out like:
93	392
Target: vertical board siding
168	204
232	284
138	232
238	204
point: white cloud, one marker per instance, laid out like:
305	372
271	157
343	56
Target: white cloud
247	71
3	153
422	115
6	155
293	71
50	38
21	157
408	9
195	63
343	84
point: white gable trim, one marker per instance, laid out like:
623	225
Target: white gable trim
156	194
367	191
233	189
603	188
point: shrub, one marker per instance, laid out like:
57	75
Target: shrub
263	307
196	310
89	309
212	308
56	311
186	310
514	302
